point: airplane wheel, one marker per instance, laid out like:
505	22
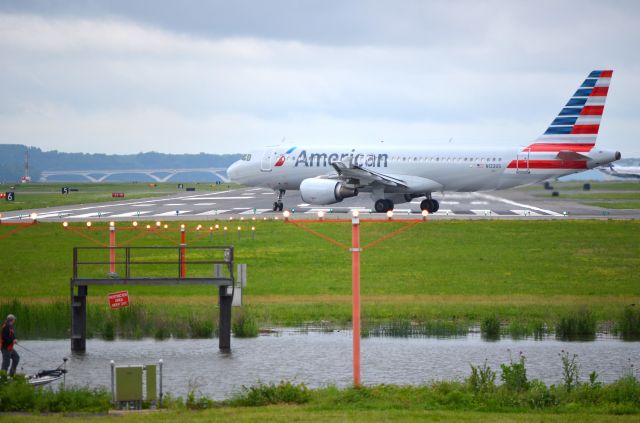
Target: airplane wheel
280	206
435	207
426	205
275	206
381	206
389	205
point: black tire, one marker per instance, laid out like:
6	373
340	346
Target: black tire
435	207
380	206
426	205
275	206
390	205
280	206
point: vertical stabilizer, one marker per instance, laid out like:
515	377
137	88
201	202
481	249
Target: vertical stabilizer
576	126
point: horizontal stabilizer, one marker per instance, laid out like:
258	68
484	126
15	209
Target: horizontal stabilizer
571	155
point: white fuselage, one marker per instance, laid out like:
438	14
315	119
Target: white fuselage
462	170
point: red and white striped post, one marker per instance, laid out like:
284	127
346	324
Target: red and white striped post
355	287
112	248
183	244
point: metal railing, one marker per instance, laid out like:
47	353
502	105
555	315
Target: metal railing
136	258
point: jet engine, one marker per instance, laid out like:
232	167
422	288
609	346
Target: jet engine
325	191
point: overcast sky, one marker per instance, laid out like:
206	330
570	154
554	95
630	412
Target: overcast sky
232	76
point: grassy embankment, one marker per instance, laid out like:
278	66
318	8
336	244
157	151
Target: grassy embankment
41	195
435	278
476	398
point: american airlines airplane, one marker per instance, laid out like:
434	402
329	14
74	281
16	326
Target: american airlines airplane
327	175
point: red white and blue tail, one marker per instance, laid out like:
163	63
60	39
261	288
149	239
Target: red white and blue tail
576	126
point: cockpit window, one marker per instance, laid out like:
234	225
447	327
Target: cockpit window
246	157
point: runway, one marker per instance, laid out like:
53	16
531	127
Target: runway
248	202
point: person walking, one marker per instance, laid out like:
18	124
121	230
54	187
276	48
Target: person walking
7	344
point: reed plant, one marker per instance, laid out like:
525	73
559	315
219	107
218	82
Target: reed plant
576	325
401	328
244	325
628	325
490	328
51	320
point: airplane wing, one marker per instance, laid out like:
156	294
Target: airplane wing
367	178
352	173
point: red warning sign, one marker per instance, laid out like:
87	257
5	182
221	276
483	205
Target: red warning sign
119	299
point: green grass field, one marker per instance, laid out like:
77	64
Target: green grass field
439	401
524	270
521	271
41	195
595	186
608	195
620	205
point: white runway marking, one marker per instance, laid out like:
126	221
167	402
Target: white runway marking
204	204
444	213
131	214
450	202
525	213
53	214
221	198
513	203
258	211
84	216
303	205
482	212
172	213
479	203
212	213
173	204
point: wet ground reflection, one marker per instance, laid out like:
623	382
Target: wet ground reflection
319	359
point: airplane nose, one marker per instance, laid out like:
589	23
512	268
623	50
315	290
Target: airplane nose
233	172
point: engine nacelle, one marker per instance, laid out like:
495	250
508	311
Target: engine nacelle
325	191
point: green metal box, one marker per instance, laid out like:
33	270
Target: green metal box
151	382
129	383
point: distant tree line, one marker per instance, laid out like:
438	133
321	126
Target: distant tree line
12	161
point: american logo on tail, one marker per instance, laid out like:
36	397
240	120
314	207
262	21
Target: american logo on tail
326	175
575	129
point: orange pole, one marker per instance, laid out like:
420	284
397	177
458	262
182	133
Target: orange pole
112	249
355	287
183	243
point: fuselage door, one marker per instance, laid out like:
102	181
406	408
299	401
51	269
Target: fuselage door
265	165
522	162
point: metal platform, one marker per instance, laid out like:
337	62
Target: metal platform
150	266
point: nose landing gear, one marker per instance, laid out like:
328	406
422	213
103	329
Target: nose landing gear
278	205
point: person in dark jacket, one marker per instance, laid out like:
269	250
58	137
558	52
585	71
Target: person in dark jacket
8	341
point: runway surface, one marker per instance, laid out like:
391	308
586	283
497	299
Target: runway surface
248	202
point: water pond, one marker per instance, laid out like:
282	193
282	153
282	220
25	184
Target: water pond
320	359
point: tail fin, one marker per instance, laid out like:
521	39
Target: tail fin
576	126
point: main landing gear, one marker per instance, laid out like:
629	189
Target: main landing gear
383	205
278	205
430	205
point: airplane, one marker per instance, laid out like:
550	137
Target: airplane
327	175
621	171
